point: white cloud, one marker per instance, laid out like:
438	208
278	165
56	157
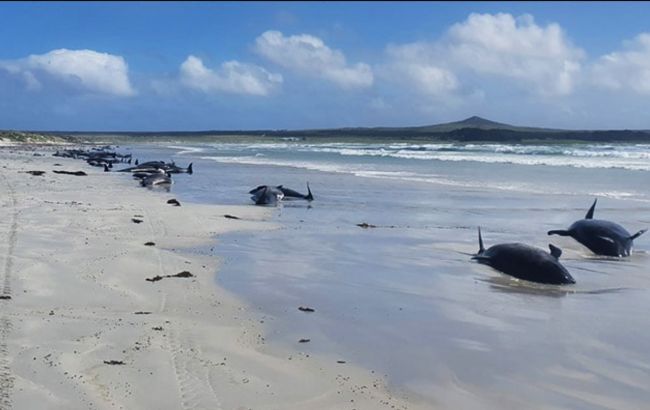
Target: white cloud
500	45
626	70
539	59
90	70
233	77
417	66
310	56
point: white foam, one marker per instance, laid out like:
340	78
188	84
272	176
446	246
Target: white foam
186	149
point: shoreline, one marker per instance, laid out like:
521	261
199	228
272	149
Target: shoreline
75	267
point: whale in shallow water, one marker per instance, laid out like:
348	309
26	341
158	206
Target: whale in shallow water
291	194
266	195
601	237
161	178
525	262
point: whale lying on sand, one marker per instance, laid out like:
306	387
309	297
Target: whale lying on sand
525	262
266	195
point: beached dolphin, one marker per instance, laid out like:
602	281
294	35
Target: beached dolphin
291	194
173	169
601	237
153	166
525	262
286	192
266	195
159	178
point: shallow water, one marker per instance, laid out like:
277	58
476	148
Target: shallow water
404	298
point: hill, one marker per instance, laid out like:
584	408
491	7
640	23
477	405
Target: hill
472	129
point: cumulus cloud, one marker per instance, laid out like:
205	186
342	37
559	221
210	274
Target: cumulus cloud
310	56
232	77
502	45
418	66
628	69
538	58
89	70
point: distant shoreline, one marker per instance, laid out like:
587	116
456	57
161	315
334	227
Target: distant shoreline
470	130
466	135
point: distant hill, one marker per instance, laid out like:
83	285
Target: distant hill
480	123
472	129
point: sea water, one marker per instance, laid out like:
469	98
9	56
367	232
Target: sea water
404	299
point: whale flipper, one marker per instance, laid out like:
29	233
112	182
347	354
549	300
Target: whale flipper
607	238
590	212
555	251
636	235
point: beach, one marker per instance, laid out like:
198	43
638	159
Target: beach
115	298
82	327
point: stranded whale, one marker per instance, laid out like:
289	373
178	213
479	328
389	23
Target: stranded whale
266	195
525	262
601	237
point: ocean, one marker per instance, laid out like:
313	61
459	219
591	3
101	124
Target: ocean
403	298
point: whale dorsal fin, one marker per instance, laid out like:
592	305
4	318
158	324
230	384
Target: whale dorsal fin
555	251
590	212
481	249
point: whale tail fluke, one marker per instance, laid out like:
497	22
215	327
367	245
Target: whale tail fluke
136	161
189	169
636	235
309	196
590	212
106	168
560	232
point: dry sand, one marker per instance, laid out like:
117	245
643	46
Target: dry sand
74	265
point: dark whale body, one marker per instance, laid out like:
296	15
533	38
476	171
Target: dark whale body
601	237
291	194
525	262
266	195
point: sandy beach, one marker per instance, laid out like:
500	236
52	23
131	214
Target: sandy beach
82	328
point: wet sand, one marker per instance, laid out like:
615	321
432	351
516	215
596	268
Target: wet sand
404	298
81	327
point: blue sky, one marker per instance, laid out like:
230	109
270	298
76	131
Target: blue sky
274	65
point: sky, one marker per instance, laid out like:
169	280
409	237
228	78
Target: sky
189	66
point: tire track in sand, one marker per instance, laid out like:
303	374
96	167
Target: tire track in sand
6	377
11	241
192	376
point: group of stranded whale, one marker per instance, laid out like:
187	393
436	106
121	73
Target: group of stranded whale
515	259
150	174
535	265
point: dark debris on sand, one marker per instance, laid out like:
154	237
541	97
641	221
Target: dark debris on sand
304	340
306	309
231	217
77	173
174	202
150	244
366	225
113	362
5	297
184	274
136	221
141	313
35	173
